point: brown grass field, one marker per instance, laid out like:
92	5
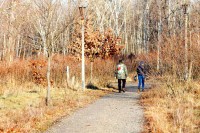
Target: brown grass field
23	92
172	107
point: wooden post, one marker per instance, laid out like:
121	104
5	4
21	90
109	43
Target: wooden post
67	72
83	56
48	80
67	76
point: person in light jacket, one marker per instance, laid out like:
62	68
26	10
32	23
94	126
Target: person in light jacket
121	74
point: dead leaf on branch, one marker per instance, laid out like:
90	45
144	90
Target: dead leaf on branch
96	43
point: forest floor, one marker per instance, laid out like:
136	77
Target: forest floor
114	113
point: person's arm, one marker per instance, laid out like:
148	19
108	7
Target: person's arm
141	71
126	71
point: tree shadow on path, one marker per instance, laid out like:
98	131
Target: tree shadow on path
131	92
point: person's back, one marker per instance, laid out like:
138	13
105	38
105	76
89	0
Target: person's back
121	75
140	70
121	71
141	75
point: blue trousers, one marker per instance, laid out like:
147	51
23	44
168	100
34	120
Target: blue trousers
140	82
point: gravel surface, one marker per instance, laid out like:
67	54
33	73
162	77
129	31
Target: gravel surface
114	113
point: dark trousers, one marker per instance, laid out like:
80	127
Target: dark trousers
121	84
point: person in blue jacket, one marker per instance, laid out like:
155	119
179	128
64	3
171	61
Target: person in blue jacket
141	76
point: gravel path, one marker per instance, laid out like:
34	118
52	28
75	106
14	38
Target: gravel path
114	113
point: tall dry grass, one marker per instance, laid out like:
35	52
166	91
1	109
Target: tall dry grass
21	71
25	111
22	97
173	107
173	103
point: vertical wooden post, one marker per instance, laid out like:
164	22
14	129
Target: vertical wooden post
82	10
67	73
67	76
198	39
48	80
83	56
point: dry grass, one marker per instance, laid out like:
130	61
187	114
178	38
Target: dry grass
172	108
22	99
25	110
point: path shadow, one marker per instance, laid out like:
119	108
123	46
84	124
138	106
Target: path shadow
129	87
131	92
92	86
134	88
120	96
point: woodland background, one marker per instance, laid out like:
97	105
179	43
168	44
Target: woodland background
36	36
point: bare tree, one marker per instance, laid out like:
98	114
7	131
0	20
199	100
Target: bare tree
48	22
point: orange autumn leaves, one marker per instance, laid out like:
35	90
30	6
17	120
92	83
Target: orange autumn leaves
38	71
96	44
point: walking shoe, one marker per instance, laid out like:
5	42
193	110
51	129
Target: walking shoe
123	89
142	90
138	91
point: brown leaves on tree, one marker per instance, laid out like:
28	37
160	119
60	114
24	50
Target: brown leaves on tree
38	71
110	45
96	44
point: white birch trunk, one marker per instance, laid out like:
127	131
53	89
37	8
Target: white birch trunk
4	46
186	47
158	47
169	18
17	46
159	38
191	58
126	36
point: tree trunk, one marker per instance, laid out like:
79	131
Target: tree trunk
159	37
91	71
83	56
191	58
158	46
148	28
169	18
198	40
17	47
48	80
24	52
44	44
20	47
145	27
4	46
186	47
126	36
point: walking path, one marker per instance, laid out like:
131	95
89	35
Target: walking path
114	113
